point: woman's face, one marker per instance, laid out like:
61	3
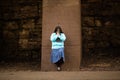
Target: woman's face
58	30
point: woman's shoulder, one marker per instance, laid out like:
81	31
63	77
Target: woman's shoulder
53	33
62	34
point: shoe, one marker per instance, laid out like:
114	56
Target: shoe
58	68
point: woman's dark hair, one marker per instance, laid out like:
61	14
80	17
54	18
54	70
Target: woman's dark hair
56	28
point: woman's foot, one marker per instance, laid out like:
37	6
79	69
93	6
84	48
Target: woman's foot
58	68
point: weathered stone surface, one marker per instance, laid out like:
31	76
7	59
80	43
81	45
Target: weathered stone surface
99	29
20	35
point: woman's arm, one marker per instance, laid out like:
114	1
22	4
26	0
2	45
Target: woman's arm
62	37
53	37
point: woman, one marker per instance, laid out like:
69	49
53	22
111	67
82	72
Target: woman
57	55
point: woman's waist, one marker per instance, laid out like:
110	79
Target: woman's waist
57	47
57	44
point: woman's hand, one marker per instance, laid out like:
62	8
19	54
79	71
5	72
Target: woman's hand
58	33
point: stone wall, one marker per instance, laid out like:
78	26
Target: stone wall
20	29
100	27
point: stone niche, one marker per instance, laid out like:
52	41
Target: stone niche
67	14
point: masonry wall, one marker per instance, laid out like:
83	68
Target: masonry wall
100	29
20	29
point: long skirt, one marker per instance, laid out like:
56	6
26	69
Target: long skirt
57	55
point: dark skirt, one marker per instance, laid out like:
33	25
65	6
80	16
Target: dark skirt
57	55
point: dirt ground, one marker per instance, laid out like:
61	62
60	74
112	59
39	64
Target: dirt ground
80	75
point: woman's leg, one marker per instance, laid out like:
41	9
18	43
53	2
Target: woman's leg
59	63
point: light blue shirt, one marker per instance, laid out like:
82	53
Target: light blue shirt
55	44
